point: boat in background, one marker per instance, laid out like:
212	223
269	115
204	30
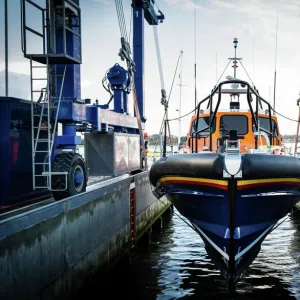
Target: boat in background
235	183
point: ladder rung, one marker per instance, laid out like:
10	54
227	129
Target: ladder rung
35	5
40	115
54	173
42	140
34	31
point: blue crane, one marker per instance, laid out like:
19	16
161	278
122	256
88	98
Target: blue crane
113	138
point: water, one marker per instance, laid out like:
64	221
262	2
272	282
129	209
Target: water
175	266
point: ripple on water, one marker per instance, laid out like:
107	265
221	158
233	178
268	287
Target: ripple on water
177	267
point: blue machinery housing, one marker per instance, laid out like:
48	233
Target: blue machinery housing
59	102
48	249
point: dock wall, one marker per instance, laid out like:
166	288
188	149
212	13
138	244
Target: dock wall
49	252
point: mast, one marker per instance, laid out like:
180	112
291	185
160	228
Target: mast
195	42
275	64
180	85
253	49
297	133
235	42
216	67
234	59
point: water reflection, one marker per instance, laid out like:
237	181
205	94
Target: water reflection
177	267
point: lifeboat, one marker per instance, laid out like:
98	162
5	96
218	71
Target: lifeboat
234	183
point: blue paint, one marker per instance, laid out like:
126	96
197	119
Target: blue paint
71	47
150	14
69	129
202	206
118	101
216	229
65	142
138	57
69	139
257	211
71	111
272	204
78	178
16	152
74	113
92	116
120	83
118	77
142	10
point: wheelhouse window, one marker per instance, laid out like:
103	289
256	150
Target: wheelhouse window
202	123
265	124
235	122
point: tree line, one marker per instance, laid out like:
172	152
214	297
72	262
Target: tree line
289	138
155	139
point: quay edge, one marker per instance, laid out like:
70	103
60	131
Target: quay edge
49	252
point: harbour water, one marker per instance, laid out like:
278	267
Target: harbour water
175	266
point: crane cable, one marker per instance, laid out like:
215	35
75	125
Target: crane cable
182	116
162	123
121	19
163	91
158	57
170	137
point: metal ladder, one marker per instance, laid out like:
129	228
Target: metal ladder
41	122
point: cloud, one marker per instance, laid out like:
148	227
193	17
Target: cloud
104	1
21	67
19	85
172	2
191	5
222	4
12	58
86	83
255	9
188	5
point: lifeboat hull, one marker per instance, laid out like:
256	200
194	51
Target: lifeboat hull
232	215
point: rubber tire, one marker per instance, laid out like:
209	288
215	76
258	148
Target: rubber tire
67	162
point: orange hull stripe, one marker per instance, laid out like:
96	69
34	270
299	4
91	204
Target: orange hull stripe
266	183
221	184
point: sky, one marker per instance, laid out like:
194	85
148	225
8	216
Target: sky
253	22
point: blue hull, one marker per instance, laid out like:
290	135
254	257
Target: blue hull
233	223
